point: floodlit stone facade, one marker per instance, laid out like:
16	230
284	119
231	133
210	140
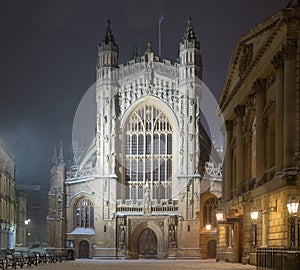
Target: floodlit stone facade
260	102
136	190
7	198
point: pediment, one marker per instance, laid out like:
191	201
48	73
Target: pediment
249	49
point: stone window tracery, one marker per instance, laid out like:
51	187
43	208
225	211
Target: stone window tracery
148	153
209	216
84	214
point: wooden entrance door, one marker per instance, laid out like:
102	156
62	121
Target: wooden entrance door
84	249
147	244
211	249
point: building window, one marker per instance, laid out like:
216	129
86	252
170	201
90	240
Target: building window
84	214
209	216
148	153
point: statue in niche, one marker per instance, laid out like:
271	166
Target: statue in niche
147	199
122	234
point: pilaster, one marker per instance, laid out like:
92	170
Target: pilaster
278	62
239	110
289	105
259	86
228	161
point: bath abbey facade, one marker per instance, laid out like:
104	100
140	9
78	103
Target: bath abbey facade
137	190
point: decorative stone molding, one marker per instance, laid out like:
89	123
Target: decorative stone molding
246	57
278	60
239	110
260	85
229	125
290	49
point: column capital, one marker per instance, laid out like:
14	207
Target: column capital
278	60
248	136
228	125
260	85
239	110
290	49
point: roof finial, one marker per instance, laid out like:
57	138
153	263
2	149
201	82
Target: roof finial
149	47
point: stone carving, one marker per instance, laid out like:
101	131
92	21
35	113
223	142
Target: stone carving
260	85
239	110
147	199
246	57
228	125
290	49
278	60
172	231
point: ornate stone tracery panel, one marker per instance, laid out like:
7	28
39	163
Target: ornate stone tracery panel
148	153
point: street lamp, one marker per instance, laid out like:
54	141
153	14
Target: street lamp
254	217
219	216
292	206
254	214
26	222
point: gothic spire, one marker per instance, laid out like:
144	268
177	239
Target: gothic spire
137	51
61	154
109	38
190	34
54	156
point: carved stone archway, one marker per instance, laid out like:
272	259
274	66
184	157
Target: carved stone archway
133	251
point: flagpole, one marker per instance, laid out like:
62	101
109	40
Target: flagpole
161	18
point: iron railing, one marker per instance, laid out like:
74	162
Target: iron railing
277	259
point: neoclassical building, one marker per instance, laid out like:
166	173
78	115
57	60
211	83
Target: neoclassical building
136	191
7	198
260	102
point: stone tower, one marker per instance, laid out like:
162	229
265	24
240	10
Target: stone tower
56	201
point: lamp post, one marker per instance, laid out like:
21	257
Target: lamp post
254	216
26	222
292	206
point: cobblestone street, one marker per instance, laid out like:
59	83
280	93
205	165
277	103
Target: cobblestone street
142	265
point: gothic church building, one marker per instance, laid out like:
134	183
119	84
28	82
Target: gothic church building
137	193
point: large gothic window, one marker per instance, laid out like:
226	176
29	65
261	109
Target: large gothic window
148	154
84	214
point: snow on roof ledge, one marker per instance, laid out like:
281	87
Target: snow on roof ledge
83	231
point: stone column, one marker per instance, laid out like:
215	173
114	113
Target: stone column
278	64
228	161
259	87
289	106
239	110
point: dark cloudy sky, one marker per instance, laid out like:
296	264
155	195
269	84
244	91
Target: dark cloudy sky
48	54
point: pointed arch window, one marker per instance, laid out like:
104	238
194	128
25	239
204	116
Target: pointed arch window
209	216
84	214
148	153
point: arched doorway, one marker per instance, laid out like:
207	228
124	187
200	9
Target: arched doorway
211	249
84	249
147	244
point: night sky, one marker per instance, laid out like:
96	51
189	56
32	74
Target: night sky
48	53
